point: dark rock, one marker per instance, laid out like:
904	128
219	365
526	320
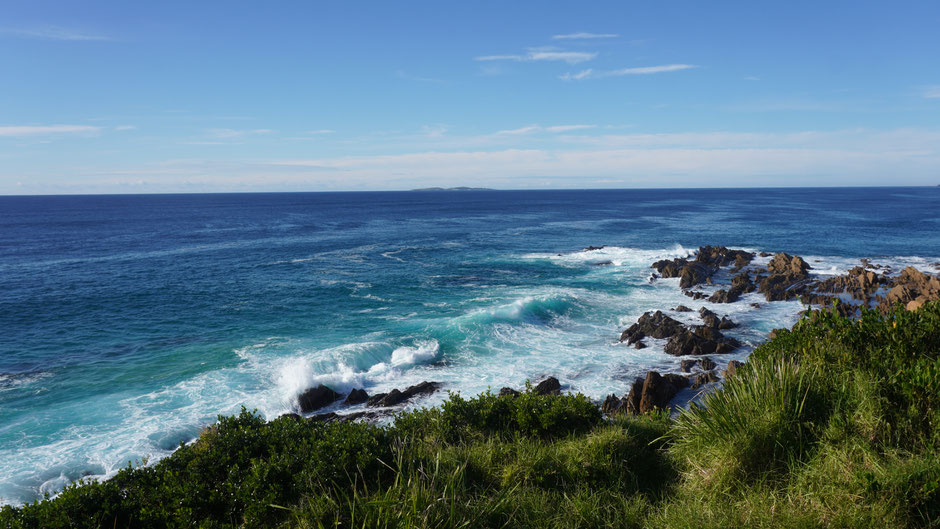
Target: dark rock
653	324
725	296
508	391
325	417
686	365
707	364
316	398
678	381
765	254
604	263
549	386
755	305
726	323
613	405
700	340
592	248
695	294
682	308
788	278
732	368
356	396
709	318
634	397
639	345
659	390
700	379
395	397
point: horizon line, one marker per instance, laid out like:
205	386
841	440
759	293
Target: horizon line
469	190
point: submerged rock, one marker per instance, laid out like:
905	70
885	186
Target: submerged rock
395	397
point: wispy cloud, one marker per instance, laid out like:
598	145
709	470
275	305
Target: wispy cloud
583	35
434	131
642	70
751	78
52	33
321	131
43	130
126	127
543	54
932	92
569	128
538	128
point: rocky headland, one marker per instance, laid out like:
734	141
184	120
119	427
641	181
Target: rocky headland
715	274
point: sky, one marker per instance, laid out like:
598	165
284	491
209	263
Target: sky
157	97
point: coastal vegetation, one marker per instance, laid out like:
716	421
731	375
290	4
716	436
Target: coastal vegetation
834	423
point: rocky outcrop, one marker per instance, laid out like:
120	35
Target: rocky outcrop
683	340
732	368
396	397
706	363
701	379
652	324
657	390
682	308
508	391
708	259
646	394
912	289
700	340
787	278
711	320
316	397
356	396
549	386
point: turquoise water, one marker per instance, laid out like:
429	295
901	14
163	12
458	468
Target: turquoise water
127	323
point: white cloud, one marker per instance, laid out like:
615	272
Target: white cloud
568	128
751	78
538	128
932	92
434	131
643	70
126	127
53	33
586	36
321	131
583	74
542	54
521	130
42	130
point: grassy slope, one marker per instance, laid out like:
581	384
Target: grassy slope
834	424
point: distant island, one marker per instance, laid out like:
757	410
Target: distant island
454	189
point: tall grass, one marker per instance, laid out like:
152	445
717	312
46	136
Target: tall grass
832	424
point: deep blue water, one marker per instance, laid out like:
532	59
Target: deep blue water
128	322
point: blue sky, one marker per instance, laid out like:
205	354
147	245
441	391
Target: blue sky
135	97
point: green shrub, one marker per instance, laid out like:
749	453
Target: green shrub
527	414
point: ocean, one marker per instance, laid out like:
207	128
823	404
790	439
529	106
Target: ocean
128	323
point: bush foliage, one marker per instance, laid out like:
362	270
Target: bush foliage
831	424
